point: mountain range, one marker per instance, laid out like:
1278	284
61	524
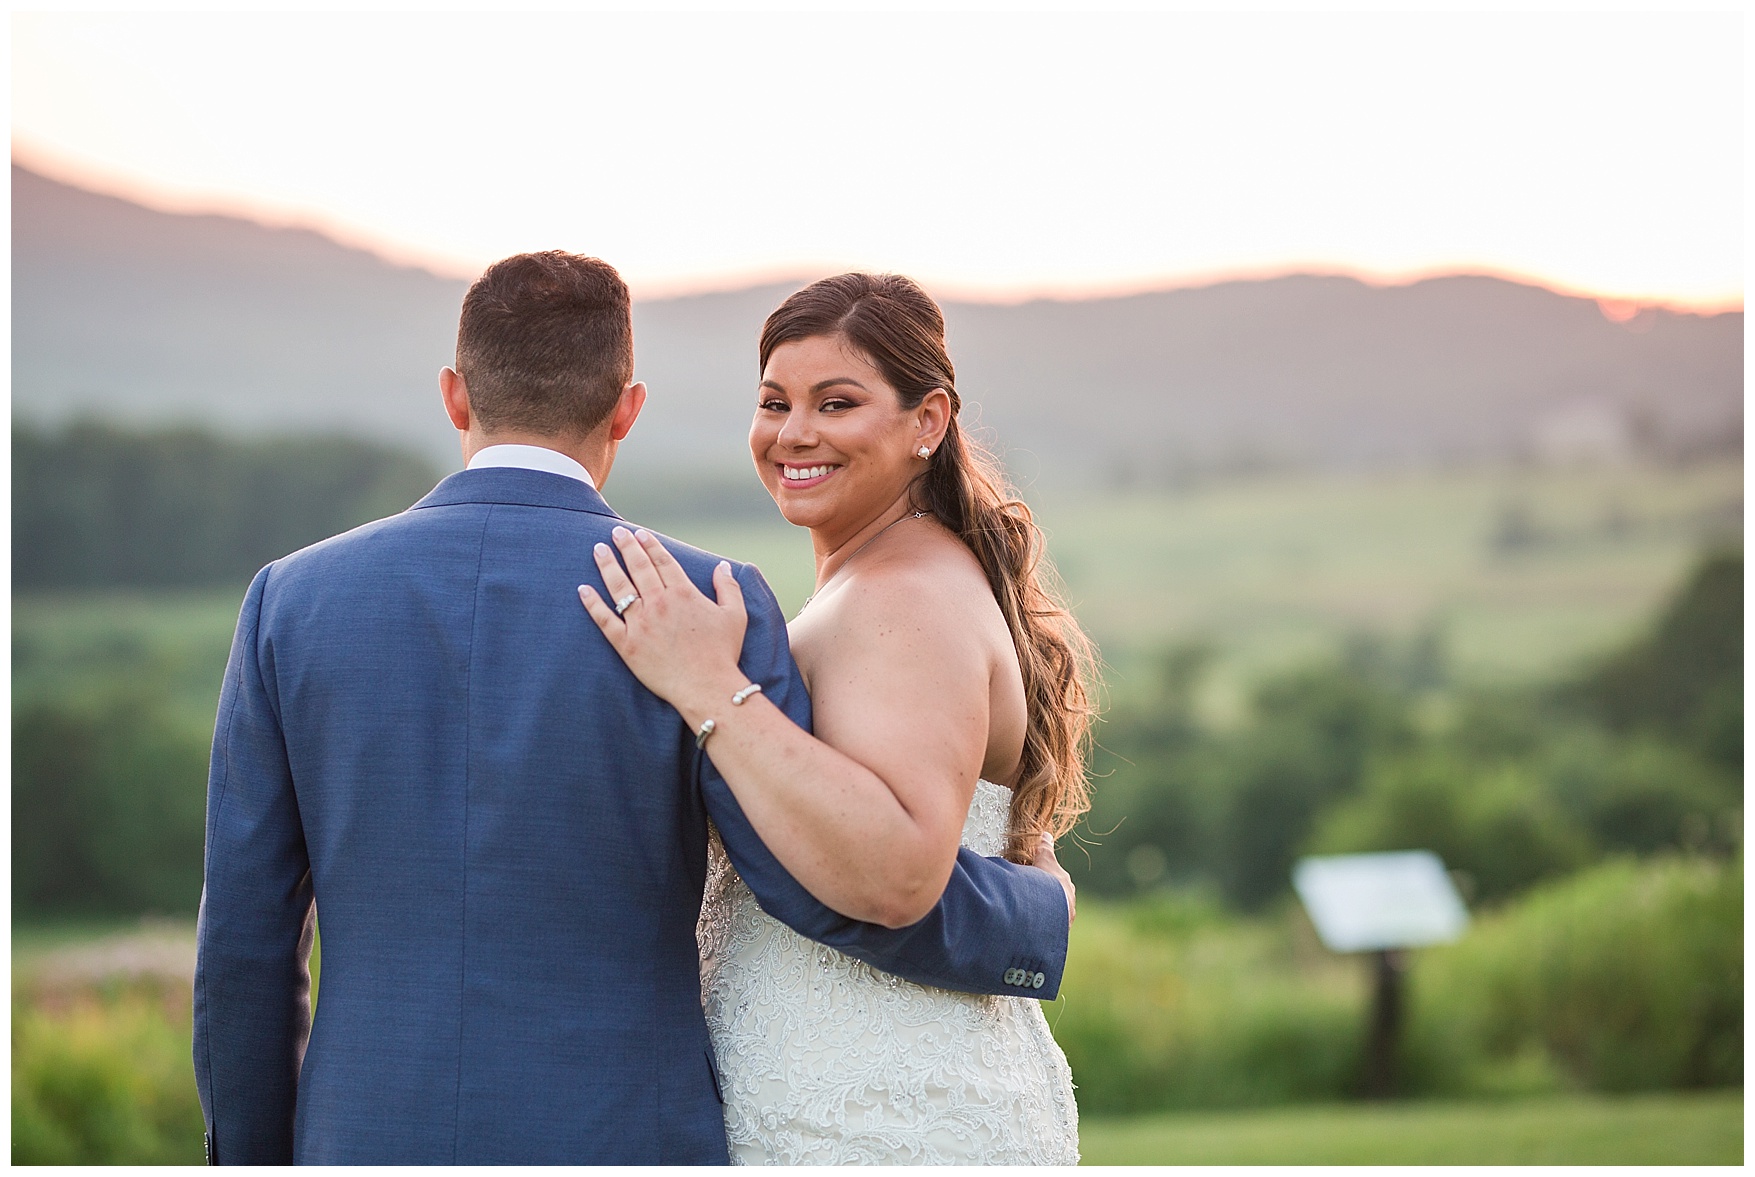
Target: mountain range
128	313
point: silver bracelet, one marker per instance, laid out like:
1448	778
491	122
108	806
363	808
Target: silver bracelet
708	726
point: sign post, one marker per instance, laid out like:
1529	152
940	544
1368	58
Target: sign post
1381	904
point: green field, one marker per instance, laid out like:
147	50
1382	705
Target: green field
1269	572
1273	572
1692	1129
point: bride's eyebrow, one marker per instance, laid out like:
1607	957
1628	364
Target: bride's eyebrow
820	385
833	381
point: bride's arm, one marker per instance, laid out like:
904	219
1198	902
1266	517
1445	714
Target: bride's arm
868	817
999	928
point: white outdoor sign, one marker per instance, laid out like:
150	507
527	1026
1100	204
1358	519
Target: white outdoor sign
1369	902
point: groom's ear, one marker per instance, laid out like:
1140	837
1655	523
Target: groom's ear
627	410
454	391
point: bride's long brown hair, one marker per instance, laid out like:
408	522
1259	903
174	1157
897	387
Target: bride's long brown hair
898	327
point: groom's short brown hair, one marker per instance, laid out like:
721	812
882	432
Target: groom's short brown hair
546	344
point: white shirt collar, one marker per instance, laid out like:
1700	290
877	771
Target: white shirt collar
530	457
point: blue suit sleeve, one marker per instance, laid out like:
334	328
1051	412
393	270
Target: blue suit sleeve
999	928
253	938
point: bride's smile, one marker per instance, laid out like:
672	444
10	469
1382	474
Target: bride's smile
799	477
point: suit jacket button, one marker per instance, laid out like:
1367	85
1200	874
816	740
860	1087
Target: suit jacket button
1037	981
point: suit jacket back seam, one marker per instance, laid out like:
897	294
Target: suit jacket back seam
463	929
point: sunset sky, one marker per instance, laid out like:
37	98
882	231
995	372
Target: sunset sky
999	155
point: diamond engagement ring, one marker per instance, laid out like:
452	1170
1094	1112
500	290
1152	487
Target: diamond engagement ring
621	606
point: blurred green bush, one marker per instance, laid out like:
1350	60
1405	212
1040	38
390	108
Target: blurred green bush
109	792
1170	1003
1684	680
1624	977
1231	808
1496	824
104	1079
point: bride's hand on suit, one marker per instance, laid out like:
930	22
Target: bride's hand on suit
1044	860
681	645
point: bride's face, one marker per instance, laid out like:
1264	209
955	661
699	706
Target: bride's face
830	438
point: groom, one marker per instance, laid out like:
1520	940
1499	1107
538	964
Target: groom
423	738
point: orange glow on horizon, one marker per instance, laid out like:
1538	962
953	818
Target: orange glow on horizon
1618	306
1083	292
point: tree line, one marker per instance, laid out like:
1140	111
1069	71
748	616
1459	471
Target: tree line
96	505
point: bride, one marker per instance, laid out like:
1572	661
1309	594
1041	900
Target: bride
949	689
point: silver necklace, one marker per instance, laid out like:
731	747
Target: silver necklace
859	549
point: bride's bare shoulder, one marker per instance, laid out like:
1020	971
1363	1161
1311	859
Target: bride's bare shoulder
931	586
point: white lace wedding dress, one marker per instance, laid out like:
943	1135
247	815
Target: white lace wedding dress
824	1060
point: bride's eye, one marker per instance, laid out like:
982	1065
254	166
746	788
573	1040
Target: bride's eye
772	405
836	404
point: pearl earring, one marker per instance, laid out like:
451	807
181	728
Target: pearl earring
924	452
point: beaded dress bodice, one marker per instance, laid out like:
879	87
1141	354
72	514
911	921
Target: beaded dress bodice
825	1060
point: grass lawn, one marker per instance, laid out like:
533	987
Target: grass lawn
1692	1129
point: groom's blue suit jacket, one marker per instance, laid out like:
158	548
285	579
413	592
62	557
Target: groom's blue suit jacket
425	742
